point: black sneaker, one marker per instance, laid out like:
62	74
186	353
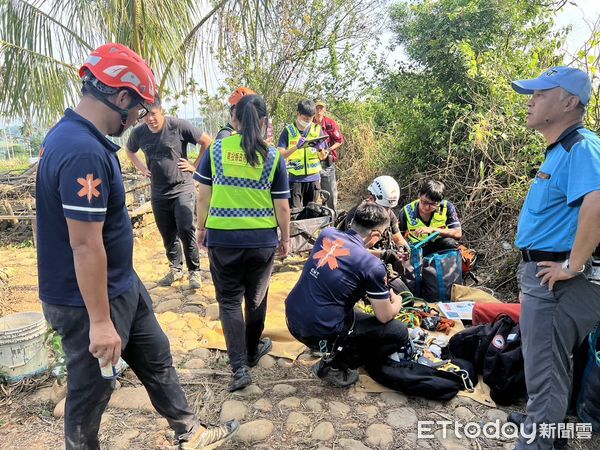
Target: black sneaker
210	437
240	379
335	377
264	346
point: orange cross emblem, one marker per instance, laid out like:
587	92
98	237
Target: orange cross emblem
89	187
329	252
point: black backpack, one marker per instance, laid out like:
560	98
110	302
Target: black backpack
417	379
495	351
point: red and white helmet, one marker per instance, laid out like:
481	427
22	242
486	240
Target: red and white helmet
385	190
118	66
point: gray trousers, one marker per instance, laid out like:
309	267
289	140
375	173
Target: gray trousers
329	184
553	324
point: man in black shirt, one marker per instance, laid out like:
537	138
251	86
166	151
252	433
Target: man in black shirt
164	142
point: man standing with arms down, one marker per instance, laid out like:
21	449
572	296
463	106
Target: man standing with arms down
303	159
164	141
334	141
90	293
557	234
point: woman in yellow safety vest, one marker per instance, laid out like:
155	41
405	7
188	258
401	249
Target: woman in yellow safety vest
243	198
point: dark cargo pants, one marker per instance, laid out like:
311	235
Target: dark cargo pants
144	347
175	220
365	341
553	325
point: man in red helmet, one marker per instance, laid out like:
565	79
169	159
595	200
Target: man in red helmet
90	292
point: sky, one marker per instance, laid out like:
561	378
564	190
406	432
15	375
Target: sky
574	14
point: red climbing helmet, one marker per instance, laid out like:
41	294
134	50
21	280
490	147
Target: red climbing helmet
237	95
118	66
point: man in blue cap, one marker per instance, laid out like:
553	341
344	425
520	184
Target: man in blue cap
557	233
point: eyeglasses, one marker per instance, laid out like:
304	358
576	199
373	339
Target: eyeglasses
429	203
142	112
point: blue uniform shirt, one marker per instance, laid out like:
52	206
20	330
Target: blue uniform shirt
548	220
79	177
339	272
258	238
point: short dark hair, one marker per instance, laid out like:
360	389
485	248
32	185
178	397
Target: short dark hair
433	189
370	215
307	108
157	103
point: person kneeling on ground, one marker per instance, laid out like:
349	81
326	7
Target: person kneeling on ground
428	214
384	191
320	308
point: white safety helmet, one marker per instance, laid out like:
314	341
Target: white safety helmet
385	190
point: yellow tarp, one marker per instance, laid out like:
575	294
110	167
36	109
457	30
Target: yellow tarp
471	294
284	345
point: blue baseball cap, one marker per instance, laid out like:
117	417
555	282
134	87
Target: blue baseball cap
574	81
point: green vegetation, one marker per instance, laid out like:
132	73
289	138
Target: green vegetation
15	165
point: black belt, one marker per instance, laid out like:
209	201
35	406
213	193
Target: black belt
540	255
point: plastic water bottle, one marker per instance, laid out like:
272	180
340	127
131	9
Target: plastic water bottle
108	372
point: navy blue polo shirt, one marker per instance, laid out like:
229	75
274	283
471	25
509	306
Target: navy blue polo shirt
339	272
548	219
259	238
79	178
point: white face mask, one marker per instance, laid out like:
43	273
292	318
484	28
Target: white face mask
302	123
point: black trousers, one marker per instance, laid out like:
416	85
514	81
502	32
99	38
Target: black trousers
175	219
144	347
367	341
444	243
304	193
241	274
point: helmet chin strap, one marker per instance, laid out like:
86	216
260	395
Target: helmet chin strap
122	112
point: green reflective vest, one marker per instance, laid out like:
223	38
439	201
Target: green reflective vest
413	221
304	161
241	194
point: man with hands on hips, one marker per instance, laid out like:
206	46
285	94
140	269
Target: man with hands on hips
557	233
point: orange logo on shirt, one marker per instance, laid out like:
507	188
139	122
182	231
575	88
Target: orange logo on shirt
89	187
330	250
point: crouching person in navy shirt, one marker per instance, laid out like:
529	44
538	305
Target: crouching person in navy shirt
320	308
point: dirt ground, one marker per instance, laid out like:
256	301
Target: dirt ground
286	408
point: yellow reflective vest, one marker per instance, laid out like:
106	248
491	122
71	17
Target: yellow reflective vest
304	161
241	194
413	221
